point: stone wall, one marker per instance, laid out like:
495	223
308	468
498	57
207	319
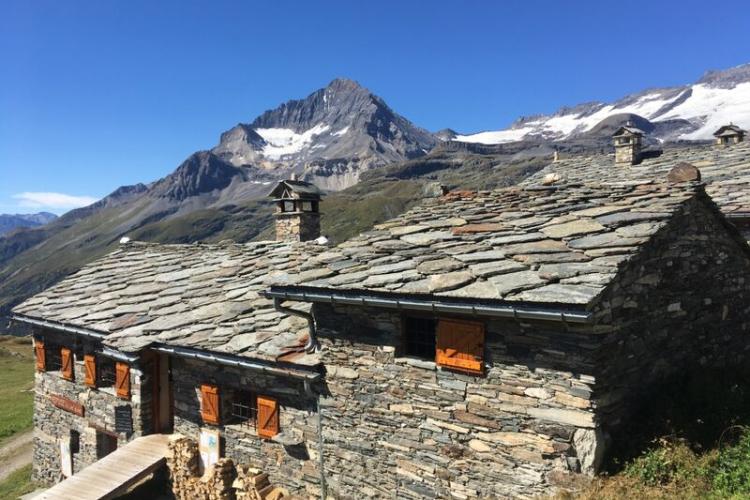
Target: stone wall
403	427
297	226
53	424
293	465
683	304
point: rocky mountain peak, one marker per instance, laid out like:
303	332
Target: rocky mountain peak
329	137
203	172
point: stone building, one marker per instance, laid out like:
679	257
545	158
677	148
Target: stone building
729	134
486	345
480	345
162	338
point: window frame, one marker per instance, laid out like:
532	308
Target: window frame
250	420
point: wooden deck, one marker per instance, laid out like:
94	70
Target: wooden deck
115	473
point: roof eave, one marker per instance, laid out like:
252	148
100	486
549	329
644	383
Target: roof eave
529	311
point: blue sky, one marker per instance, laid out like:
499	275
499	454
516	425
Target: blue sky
101	93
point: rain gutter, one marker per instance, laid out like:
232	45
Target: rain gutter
327	296
59	326
235	361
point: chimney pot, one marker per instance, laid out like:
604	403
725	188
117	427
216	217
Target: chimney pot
297	213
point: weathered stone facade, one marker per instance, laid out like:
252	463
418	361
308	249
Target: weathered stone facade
552	395
292	464
404	427
53	425
682	304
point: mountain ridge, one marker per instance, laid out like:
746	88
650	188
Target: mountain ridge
9	222
684	112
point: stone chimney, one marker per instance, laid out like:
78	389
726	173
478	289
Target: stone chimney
628	142
728	135
297	210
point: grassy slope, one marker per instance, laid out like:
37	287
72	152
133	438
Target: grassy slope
16	383
17	484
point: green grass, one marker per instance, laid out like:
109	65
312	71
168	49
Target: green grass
17	484
16	384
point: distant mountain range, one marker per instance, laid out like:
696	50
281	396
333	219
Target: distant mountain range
9	222
373	161
688	112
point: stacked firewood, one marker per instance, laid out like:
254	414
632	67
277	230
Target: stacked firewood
252	484
183	462
221	481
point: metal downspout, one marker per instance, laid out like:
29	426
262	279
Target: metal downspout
321	461
312	341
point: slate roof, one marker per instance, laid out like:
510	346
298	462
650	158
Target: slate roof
198	296
729	130
726	172
550	245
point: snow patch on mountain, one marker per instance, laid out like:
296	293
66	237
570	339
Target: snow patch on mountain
497	136
714	107
281	142
715	100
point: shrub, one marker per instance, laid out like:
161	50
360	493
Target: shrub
730	474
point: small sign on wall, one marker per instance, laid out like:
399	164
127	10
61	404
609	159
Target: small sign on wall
66	458
209	448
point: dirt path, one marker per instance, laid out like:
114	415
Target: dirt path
15	453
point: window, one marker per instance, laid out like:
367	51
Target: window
105	372
244	408
75	442
309	206
54	359
460	345
287	206
451	343
419	336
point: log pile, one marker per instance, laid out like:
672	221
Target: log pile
183	462
221	481
252	484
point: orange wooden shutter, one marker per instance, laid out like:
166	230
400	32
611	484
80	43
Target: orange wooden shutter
89	363
122	380
66	357
268	417
460	345
210	404
41	359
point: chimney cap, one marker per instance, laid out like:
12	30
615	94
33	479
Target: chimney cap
729	130
302	189
628	130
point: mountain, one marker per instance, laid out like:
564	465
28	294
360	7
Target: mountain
689	112
373	162
329	138
8	222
